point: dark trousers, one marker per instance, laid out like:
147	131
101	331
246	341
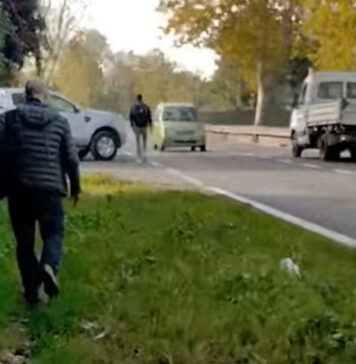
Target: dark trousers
141	141
26	208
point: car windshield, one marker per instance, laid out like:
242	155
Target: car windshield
180	113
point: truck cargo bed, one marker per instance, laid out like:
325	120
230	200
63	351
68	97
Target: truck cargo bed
331	113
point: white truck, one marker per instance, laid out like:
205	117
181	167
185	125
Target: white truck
99	132
325	115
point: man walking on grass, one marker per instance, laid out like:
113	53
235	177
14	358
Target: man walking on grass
141	120
37	155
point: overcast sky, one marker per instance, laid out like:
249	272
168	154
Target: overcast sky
135	25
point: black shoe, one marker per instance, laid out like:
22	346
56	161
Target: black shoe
32	299
50	282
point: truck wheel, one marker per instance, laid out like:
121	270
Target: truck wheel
335	154
325	151
297	150
104	145
203	148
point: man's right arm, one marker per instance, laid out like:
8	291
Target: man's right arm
70	161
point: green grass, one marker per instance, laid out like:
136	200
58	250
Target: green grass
179	277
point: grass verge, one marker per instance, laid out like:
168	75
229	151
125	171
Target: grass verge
179	277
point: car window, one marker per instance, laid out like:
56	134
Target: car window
330	90
59	103
18	98
179	114
351	90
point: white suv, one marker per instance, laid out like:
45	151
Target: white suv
99	132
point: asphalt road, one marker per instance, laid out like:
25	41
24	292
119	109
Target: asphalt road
318	192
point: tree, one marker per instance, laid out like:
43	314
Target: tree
296	72
330	26
127	74
63	21
24	37
3	31
258	35
80	69
227	86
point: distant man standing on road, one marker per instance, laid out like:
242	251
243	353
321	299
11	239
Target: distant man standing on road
141	120
37	155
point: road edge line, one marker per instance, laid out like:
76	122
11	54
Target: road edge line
284	216
306	225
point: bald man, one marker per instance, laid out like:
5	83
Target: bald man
38	154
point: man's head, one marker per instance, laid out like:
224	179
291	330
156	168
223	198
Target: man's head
36	89
139	98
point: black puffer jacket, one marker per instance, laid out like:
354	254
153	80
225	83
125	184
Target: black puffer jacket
37	150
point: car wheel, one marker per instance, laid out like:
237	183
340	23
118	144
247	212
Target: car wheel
193	149
83	153
203	148
104	145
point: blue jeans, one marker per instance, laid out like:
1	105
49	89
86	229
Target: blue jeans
26	208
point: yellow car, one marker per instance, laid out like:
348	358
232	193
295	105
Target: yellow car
177	125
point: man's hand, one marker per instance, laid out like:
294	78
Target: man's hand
75	199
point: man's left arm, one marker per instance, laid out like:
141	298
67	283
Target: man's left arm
132	121
70	161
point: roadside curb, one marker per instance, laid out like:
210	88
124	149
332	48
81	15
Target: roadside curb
267	136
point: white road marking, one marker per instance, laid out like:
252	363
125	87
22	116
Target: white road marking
156	164
314	166
128	154
183	176
247	154
330	234
285	161
327	233
343	171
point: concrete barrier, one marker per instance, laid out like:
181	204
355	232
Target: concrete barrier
267	136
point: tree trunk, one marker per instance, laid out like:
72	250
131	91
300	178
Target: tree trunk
238	94
39	64
262	96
